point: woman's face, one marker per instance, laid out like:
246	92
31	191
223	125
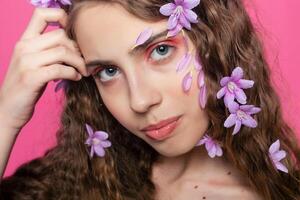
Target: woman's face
141	87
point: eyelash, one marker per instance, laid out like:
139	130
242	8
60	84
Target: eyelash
170	52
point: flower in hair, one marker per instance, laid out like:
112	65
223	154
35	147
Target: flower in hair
212	146
97	140
50	3
276	155
181	15
232	87
241	115
62	84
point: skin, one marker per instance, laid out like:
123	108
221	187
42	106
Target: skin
144	91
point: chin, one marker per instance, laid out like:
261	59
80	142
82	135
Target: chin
175	150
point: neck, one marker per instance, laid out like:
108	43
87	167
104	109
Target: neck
194	165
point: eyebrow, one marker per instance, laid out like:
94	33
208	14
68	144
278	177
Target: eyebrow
131	52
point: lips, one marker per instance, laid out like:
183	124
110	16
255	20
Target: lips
160	124
163	129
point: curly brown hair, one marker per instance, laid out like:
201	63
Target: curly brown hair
224	38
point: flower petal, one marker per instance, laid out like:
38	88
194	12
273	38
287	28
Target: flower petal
88	141
254	110
212	151
191	16
143	37
229	98
66	2
99	150
219	151
209	144
167	9
249	122
61	85
278	155
89	130
54	4
102	135
221	92
197	62
183	63
240	95
184	22
237	127
187	82
190	4
237	74
200	142
224	81
230	121
233	107
179	2
246	108
174	31
281	167
274	147
105	143
245	84
173	21
203	97
201	81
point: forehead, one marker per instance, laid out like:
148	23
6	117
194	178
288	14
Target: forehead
108	29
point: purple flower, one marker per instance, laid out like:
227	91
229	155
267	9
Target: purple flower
50	3
276	155
181	15
97	140
63	84
241	115
232	87
212	146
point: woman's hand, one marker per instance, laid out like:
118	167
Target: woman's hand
37	59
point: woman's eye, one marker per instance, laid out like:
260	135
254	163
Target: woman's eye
161	52
107	73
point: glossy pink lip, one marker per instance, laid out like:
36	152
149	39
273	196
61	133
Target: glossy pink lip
160	124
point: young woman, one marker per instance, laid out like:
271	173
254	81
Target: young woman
175	103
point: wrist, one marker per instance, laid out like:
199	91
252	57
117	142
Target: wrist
7	125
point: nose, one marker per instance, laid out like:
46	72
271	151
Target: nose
143	93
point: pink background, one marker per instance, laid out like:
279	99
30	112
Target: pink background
277	21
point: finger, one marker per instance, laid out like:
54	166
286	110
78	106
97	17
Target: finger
49	40
60	54
40	17
53	72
